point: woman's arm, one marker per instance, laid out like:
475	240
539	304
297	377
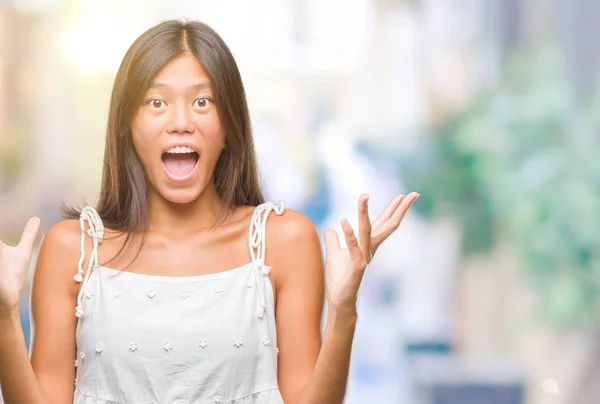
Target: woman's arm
312	371
16	375
329	379
294	253
49	377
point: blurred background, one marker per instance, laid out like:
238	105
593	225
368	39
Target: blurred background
489	108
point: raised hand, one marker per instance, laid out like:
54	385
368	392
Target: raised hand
14	265
345	268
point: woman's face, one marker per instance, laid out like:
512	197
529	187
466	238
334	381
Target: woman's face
177	133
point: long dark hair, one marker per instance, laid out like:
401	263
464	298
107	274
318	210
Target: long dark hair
123	200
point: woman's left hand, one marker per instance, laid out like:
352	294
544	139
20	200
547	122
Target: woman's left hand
345	268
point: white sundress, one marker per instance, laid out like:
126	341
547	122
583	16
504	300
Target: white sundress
207	339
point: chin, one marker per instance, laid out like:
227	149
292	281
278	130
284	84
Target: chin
177	193
181	196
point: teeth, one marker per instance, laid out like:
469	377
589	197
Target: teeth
180	150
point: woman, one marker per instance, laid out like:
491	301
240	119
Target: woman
184	308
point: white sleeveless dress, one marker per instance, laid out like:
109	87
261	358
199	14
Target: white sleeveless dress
146	339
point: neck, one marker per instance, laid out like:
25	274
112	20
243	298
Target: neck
180	220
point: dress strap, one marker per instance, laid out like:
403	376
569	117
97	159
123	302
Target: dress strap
96	233
258	225
257	247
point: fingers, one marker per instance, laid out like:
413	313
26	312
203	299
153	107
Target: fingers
388	211
364	227
29	233
393	222
356	254
401	210
332	241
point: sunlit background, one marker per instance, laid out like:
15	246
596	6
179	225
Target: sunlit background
489	108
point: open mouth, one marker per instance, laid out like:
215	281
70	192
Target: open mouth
180	162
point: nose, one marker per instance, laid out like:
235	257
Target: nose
181	120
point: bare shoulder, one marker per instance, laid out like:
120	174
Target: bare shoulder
59	251
289	228
57	265
63	234
293	250
63	239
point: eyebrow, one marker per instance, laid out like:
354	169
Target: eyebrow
200	86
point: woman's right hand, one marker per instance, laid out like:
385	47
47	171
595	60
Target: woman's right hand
14	265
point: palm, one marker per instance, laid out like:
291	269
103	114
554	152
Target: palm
338	277
345	267
14	263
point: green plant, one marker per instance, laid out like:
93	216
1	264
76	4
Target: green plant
522	164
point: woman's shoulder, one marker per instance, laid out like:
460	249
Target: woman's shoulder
58	256
291	234
61	246
64	235
293	250
290	226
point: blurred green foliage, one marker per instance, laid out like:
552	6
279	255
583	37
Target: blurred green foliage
523	164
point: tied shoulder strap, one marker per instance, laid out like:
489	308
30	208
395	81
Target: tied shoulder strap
257	247
96	233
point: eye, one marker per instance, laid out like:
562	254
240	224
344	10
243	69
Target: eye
202	102
155	103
